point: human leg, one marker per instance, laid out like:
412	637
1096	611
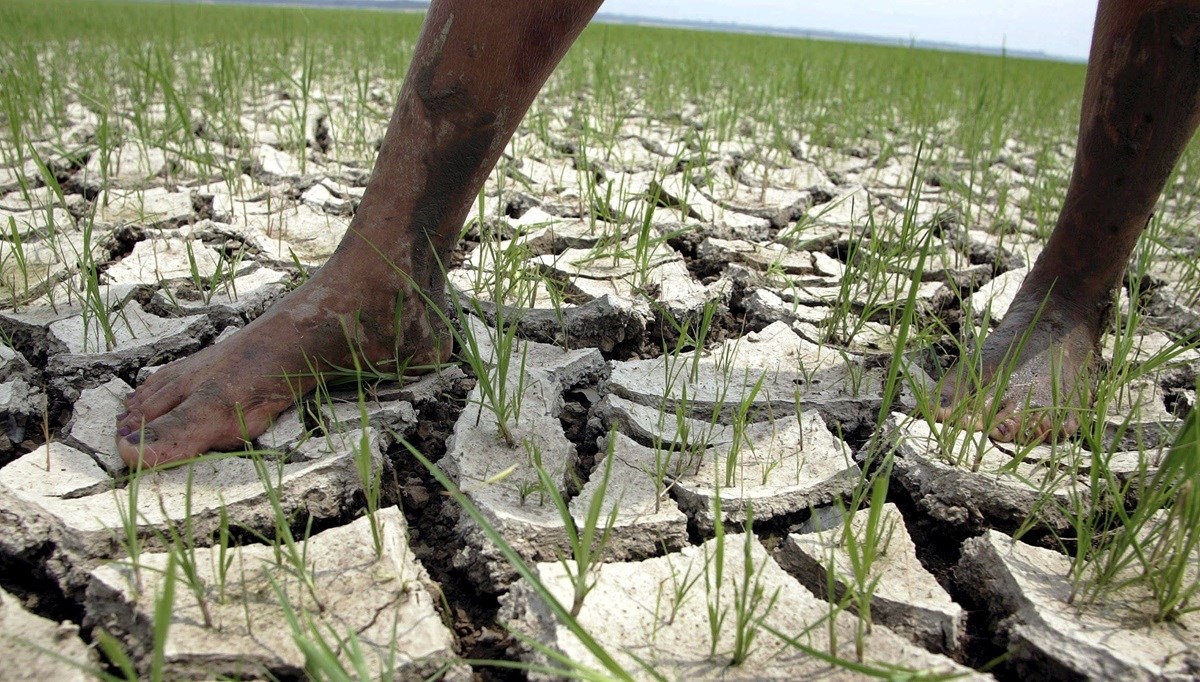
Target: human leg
1141	106
476	69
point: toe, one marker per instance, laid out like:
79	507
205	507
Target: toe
197	425
169	438
1033	426
1007	428
149	402
1053	427
945	409
1070	426
959	405
1045	430
158	393
187	431
966	413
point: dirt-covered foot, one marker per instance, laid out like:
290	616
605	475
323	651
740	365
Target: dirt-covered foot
230	392
1037	363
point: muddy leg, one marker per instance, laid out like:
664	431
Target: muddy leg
475	72
1141	105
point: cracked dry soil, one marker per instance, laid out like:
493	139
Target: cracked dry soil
771	414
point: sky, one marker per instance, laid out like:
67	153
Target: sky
1060	28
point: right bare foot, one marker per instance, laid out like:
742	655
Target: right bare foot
1042	353
229	393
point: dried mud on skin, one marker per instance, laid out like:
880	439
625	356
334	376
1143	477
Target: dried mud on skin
771	416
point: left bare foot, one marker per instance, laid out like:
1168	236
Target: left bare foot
228	394
1039	358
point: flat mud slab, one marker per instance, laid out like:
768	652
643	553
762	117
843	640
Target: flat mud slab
1027	590
655	615
497	464
503	480
234	302
87	349
905	596
22	402
722	377
63	510
34	648
785	465
644	518
753	376
375	593
91	426
965	480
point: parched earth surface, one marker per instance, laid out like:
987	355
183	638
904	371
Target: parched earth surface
682	370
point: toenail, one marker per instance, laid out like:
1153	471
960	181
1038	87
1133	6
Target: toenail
1005	429
129	395
124	431
143	436
122	416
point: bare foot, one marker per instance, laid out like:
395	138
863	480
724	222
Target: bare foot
229	393
1039	360
473	75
